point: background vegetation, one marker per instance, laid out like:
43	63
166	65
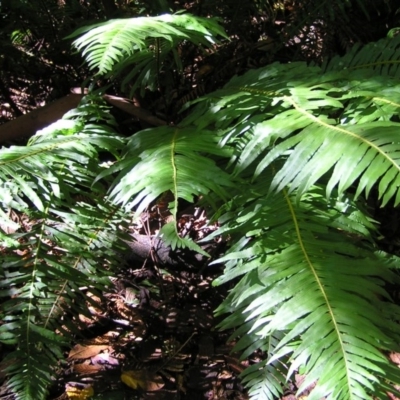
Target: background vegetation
292	148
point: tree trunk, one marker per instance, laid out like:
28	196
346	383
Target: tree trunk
28	124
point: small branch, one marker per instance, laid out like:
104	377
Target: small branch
127	106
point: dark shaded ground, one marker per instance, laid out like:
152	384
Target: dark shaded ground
157	338
157	332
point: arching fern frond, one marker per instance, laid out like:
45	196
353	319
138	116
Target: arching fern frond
311	119
170	159
308	287
142	43
60	253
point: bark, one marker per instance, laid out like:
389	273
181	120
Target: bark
143	247
27	125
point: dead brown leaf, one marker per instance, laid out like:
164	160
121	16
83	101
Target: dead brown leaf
86	369
79	391
395	357
80	352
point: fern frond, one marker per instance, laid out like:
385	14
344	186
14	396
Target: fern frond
381	56
308	283
169	159
60	257
310	119
170	235
118	44
61	251
54	157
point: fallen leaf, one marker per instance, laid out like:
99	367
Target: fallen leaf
104	359
395	357
79	391
80	352
145	380
224	375
86	369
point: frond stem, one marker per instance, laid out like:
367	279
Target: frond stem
174	174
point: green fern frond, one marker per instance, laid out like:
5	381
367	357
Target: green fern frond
60	253
61	256
30	367
54	157
118	44
304	278
169	159
381	56
307	282
311	119
170	235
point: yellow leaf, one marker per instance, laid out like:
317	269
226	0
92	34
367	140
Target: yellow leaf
131	379
144	380
79	391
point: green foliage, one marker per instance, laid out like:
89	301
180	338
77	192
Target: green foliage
301	279
167	159
289	153
141	45
311	275
311	294
41	279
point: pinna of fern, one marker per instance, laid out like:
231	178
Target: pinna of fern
72	227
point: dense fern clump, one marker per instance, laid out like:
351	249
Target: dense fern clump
73	226
286	155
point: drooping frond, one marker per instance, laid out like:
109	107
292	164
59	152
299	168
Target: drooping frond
170	159
308	287
72	228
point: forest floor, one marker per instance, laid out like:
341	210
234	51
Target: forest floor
157	337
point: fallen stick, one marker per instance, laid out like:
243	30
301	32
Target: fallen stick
127	106
27	125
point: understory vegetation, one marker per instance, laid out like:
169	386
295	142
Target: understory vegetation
290	158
